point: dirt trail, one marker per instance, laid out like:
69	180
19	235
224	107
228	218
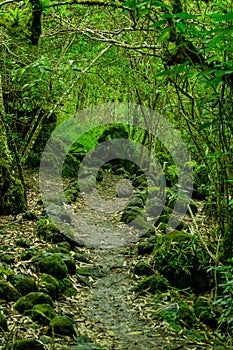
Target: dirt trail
108	311
116	317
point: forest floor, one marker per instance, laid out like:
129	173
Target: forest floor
107	311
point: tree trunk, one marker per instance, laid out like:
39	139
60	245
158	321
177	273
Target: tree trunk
12	191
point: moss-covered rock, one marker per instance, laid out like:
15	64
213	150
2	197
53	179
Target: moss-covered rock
140	181
27	344
42	313
62	325
81	257
3	323
25	304
52	264
143	269
49	285
70	263
186	316
48	231
8	292
66	287
136	202
152	284
182	260
129	214
24	284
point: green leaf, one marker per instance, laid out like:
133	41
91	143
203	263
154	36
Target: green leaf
164	35
184	15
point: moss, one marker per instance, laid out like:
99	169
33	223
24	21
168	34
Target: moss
153	284
81	257
66	287
3	323
42	313
53	264
62	325
143	269
91	271
70	263
24	284
162	218
8	292
129	214
48	231
49	285
25	304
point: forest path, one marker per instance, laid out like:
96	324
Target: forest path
108	311
112	314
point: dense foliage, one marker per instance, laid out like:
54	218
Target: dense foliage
172	56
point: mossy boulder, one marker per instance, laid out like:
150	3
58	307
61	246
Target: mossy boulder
66	287
70	263
143	269
8	292
140	181
24	284
52	264
3	323
186	316
129	214
81	257
25	304
152	284
42	313
180	258
136	202
27	344
62	325
48	231
49	285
